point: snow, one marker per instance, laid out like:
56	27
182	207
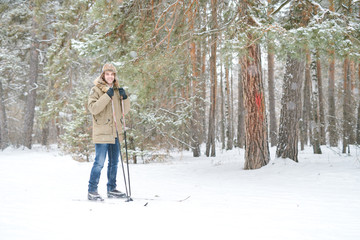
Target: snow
43	196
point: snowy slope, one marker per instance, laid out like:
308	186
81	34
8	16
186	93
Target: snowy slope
43	196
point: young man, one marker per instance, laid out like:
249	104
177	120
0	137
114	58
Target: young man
104	103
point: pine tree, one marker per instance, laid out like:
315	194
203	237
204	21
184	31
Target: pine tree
291	99
32	86
4	133
256	139
332	128
315	107
271	79
306	130
210	145
77	139
14	48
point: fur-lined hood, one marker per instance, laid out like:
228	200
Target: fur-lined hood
102	85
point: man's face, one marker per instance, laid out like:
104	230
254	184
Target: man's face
109	77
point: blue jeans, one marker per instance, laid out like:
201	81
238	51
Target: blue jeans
113	155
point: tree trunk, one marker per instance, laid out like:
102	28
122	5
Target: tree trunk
200	100
358	110
229	143
203	93
45	134
232	109
213	79
201	65
4	134
321	116
271	89
194	121
358	125
32	86
346	106
257	147
332	128
289	118
256	140
306	111
241	113
316	124
352	118
222	112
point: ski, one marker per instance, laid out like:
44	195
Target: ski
91	201
157	198
118	200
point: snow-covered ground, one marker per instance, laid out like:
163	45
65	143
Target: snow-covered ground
43	196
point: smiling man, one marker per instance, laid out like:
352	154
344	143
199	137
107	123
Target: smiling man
105	104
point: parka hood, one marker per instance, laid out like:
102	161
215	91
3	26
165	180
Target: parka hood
102	85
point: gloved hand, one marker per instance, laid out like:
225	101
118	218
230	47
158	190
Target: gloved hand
110	92
122	93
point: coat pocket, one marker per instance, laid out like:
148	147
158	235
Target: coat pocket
102	126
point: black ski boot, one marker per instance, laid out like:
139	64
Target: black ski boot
94	196
116	194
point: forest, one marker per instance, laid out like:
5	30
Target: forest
222	74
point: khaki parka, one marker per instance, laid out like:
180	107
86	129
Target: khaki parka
100	106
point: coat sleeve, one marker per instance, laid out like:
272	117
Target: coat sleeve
97	103
126	105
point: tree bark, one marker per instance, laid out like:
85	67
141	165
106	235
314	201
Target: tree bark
257	147
194	121
271	89
203	92
346	106
232	109
201	63
222	112
332	128
321	116
229	143
287	147
213	79
4	133
256	133
306	111
352	118
358	110
241	112
358	125
289	118
271	86
45	134
316	110
32	86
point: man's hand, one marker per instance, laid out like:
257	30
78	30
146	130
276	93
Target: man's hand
122	93
110	92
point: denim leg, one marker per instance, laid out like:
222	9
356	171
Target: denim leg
100	151
112	165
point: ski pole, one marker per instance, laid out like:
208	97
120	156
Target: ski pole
122	164
126	151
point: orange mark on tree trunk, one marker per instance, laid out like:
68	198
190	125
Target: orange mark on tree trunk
259	104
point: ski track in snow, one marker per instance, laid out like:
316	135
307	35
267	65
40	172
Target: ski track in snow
43	196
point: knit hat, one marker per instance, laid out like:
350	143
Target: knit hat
109	67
